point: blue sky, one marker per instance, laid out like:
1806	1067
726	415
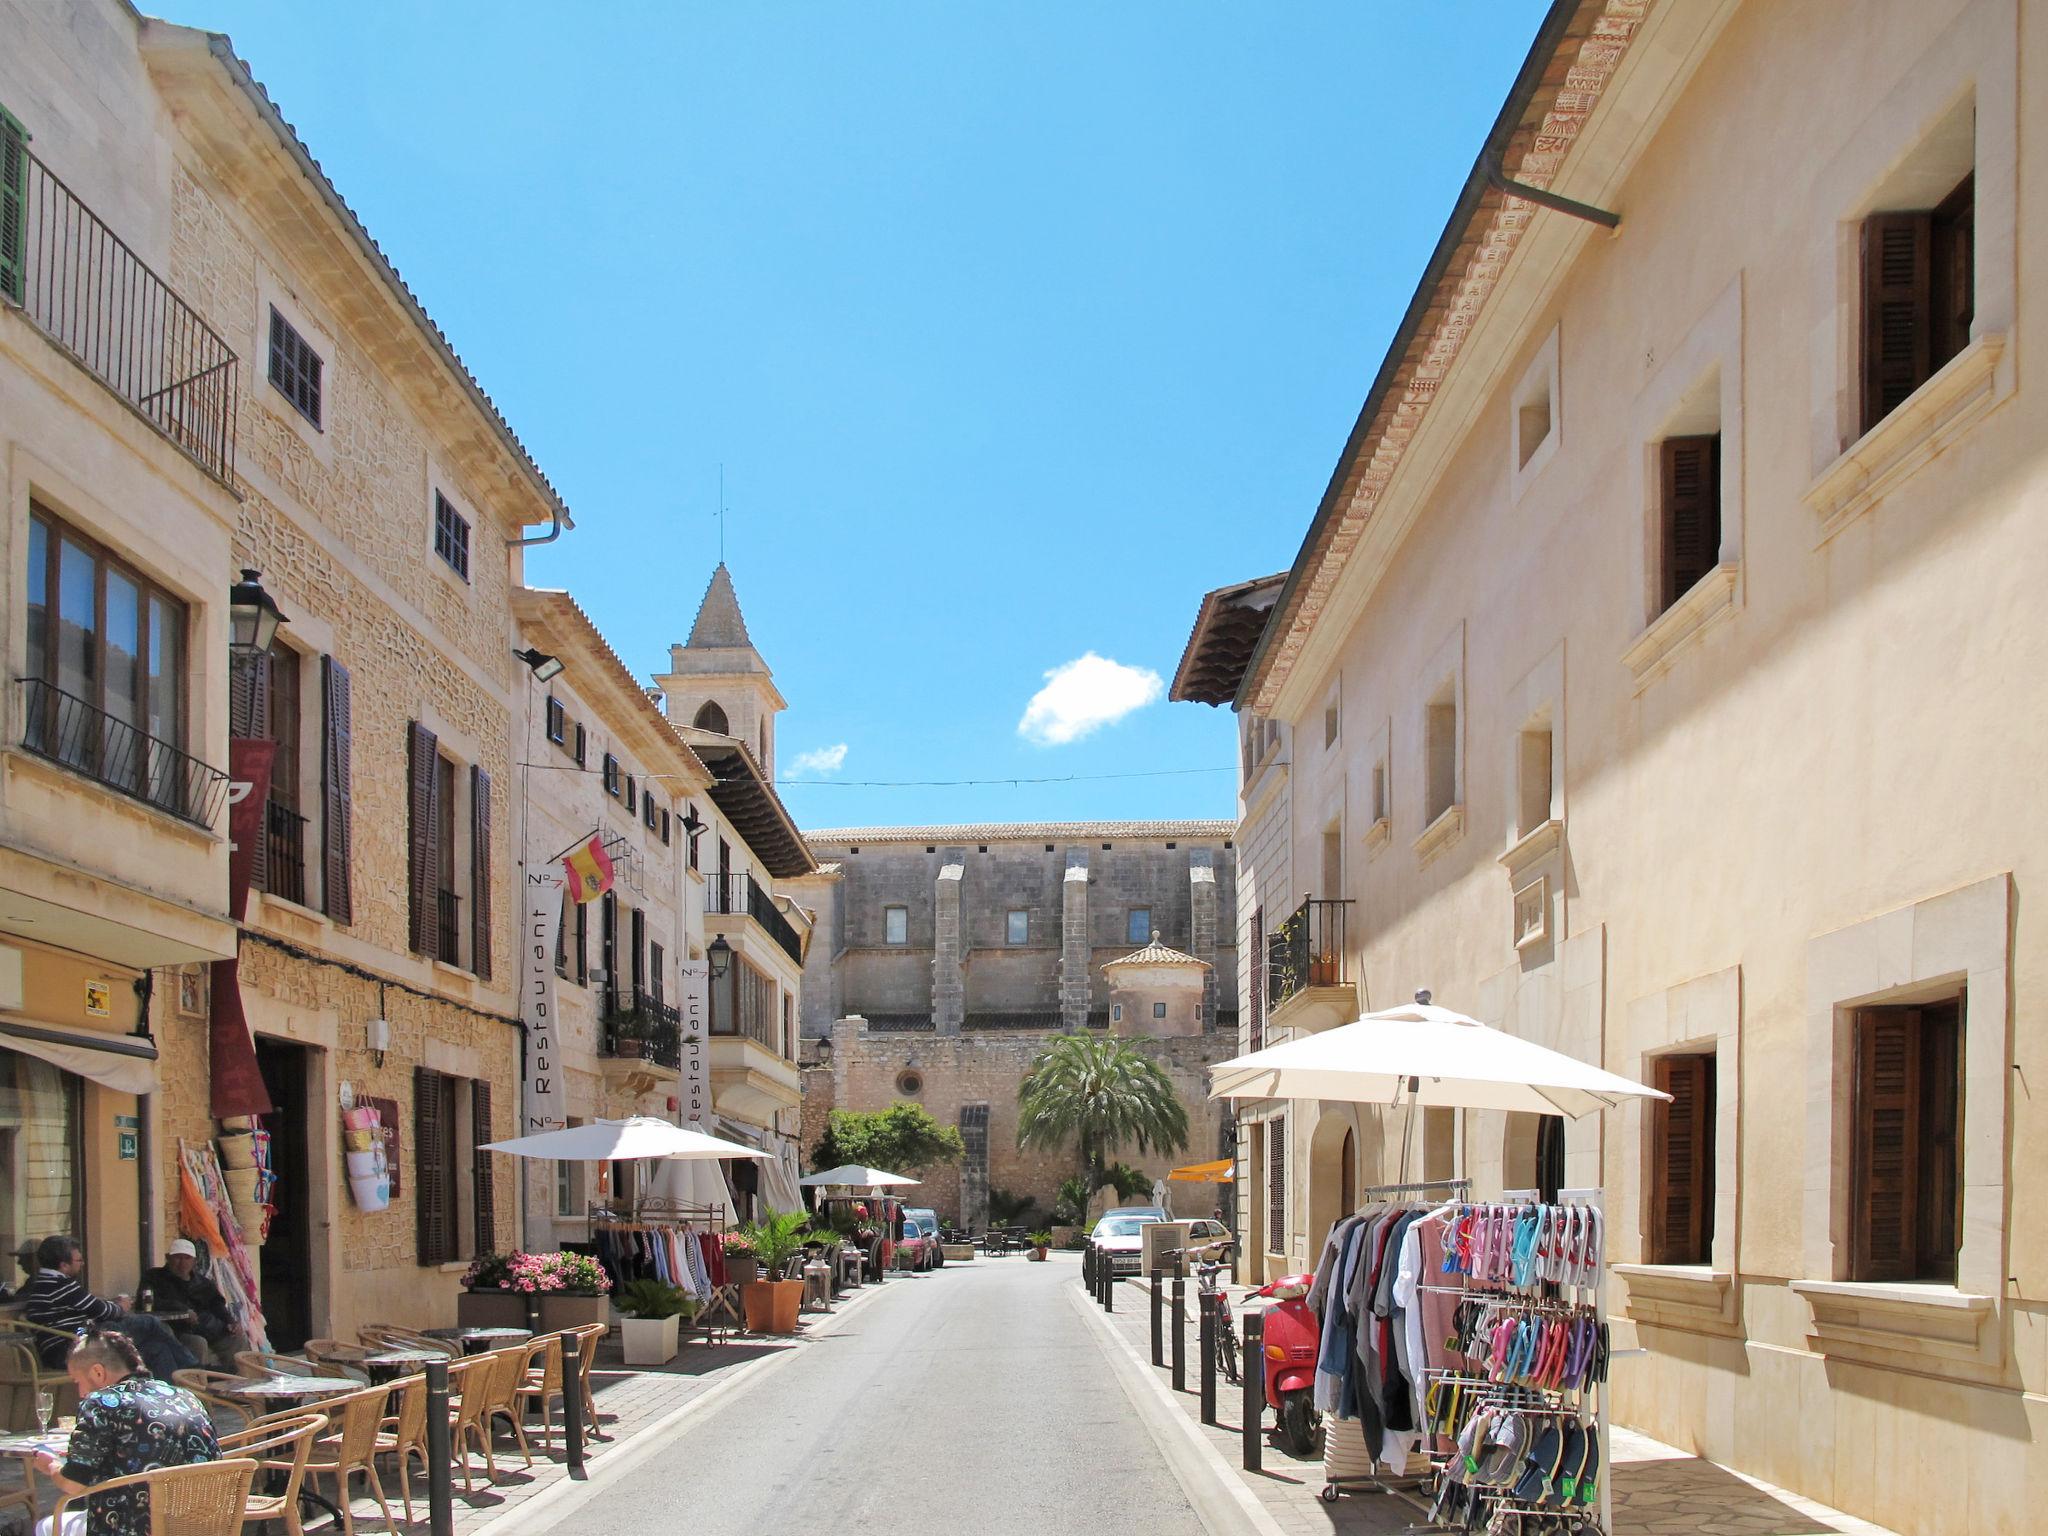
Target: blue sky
1015	326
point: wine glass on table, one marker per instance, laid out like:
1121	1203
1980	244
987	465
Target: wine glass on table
46	1411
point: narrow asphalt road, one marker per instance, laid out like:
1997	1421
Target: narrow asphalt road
974	1398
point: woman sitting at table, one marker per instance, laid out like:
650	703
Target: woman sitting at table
128	1421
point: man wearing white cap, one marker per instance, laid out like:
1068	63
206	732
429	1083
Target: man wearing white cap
180	1288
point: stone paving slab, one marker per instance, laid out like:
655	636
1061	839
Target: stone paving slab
1658	1490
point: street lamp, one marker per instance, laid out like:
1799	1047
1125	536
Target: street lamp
545	668
720	956
253	618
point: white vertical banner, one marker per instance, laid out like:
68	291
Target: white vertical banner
540	921
694	1001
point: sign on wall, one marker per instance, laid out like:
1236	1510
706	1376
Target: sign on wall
540	920
695	1003
127	1137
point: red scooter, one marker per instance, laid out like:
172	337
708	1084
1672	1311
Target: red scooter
1293	1339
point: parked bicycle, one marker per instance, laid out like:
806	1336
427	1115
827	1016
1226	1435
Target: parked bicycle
1209	1283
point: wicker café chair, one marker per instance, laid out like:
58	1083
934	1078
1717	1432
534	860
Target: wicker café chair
470	1380
334	1358
284	1444
261	1365
352	1448
203	1499
507	1376
590	1335
216	1390
541	1384
404	1433
390	1336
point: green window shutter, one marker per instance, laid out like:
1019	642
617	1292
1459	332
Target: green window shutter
13	204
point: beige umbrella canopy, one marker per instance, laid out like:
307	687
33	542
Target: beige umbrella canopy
854	1176
618	1141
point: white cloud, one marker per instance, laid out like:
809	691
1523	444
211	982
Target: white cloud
820	762
1085	694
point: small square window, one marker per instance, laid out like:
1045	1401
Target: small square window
451	536
558	720
1138	926
1159	1010
295	367
896	925
1019	928
613	776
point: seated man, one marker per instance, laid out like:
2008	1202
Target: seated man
127	1423
54	1298
180	1288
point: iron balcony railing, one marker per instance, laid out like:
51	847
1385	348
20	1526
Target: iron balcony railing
284	853
89	741
448	942
649	1030
742	895
1306	951
82	286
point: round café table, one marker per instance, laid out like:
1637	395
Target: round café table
478	1341
273	1394
386	1366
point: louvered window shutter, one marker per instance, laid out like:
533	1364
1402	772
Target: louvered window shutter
337	818
480	873
1898	310
13	206
486	1189
582	944
1692	512
1679	1202
432	1157
249	720
562	940
1887	1133
424	838
1276	1184
1258	988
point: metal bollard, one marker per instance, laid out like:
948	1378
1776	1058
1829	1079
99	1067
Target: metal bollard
1253	1367
572	1403
1180	1335
1108	1284
1206	1304
440	1485
1158	1313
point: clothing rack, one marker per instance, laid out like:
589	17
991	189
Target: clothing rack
660	1211
1416	1186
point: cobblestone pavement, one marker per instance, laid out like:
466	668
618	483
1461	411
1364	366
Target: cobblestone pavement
1659	1490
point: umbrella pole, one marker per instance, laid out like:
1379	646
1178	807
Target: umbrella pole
1413	1087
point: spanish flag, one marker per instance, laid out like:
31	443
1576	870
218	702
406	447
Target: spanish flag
589	870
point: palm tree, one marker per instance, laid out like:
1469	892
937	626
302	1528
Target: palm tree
1101	1094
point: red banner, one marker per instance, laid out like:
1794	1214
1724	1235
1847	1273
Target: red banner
237	1080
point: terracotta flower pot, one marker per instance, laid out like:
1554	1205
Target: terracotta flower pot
1038	1254
772	1305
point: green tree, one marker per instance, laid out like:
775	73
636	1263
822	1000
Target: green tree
904	1138
1101	1094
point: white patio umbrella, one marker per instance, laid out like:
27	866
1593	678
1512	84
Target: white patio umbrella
618	1141
854	1176
1421	1054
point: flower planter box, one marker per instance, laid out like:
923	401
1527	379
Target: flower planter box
742	1269
559	1311
772	1305
957	1253
648	1340
490	1309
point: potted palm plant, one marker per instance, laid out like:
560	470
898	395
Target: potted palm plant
772	1301
1040	1241
653	1312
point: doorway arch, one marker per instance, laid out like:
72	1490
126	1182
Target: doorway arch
1333	1173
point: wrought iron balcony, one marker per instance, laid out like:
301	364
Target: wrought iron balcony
1306	953
84	288
89	741
448	941
648	1030
284	853
742	895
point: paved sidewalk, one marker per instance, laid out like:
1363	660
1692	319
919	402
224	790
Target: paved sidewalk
1659	1490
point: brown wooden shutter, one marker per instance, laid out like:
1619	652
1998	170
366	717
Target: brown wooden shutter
480	873
423	841
1678	1209
486	1189
562	940
1258	989
582	943
337	818
432	1188
1898	310
249	720
1692	512
1883	1188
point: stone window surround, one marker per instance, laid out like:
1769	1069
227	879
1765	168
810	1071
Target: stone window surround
895	943
441	483
1446	666
464	750
1703	1014
1379	759
273	293
1712	347
1541	376
1976	56
1957	941
1534	703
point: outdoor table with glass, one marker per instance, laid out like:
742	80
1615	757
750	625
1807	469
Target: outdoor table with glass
387	1366
478	1341
275	1393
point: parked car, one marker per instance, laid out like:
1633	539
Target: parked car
1211	1240
921	1225
1120	1237
1150	1212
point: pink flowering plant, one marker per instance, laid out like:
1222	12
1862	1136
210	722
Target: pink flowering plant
738	1245
543	1274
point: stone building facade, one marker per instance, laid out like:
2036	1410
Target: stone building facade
1651	684
946	958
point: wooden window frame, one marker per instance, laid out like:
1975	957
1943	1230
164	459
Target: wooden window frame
903	941
295	369
614	776
435	1168
557	721
1683	1131
580	751
451	535
1916	297
1689	514
1925	1041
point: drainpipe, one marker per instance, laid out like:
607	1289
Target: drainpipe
554	532
1490	162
